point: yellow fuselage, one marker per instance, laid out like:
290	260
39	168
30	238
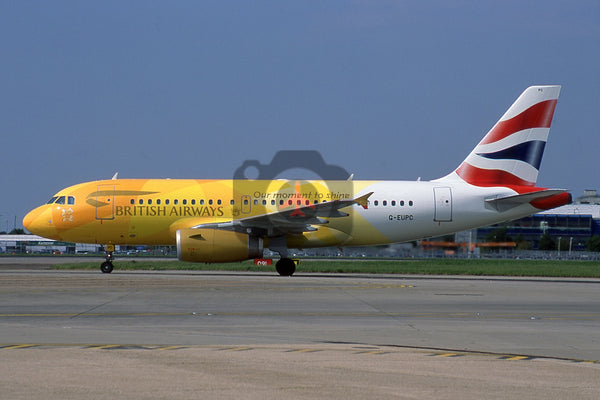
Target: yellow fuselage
150	211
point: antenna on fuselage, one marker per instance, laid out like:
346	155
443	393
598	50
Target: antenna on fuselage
114	178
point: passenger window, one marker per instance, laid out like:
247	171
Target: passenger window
410	203
402	203
60	200
176	201
231	202
132	201
157	201
219	202
376	202
167	201
149	201
141	201
184	202
264	202
52	200
210	201
393	203
385	202
255	202
202	202
272	202
193	202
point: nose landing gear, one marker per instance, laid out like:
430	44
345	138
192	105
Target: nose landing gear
107	266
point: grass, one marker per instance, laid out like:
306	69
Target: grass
539	268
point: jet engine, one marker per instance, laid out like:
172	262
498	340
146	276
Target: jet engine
215	245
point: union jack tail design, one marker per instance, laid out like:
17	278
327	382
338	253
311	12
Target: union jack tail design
511	152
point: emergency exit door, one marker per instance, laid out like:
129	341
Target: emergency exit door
246	204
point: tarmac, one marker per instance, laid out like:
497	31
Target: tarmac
222	335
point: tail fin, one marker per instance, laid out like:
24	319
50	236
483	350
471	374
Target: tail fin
511	152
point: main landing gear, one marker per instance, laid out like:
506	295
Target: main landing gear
107	266
285	266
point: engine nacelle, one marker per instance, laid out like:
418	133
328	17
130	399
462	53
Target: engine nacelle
215	245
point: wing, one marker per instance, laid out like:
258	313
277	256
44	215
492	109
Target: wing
293	220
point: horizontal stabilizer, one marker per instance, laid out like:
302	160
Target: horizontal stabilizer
506	203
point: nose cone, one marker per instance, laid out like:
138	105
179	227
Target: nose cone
39	222
29	220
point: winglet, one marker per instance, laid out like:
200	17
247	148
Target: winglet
363	200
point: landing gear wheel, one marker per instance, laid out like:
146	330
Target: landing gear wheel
285	267
106	267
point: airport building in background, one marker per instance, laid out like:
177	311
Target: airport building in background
33	244
572	223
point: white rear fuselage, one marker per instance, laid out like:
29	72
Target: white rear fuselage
405	211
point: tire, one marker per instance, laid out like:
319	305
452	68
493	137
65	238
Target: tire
285	267
106	267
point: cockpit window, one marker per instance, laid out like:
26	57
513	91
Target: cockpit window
62	200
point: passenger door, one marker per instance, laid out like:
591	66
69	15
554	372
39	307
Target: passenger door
443	204
105	202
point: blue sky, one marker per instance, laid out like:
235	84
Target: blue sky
191	89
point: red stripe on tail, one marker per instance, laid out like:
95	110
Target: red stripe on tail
537	116
489	177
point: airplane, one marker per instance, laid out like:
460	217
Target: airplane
233	220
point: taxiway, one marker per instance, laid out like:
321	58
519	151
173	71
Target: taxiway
399	317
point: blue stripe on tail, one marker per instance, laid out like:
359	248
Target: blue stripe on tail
529	152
